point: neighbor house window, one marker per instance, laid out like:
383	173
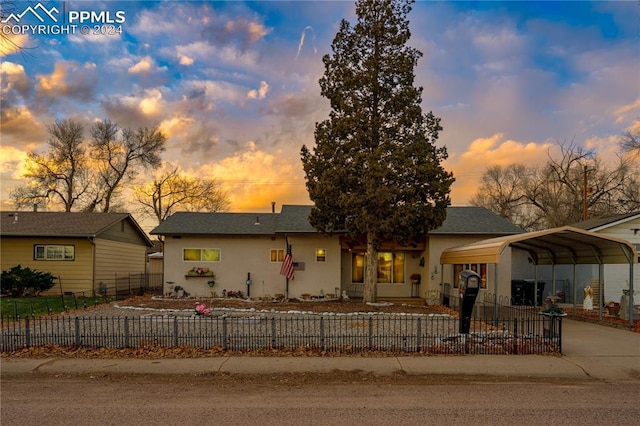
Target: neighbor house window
390	268
277	255
54	252
201	255
480	268
321	255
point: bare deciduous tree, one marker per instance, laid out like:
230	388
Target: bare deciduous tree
117	153
73	176
630	141
173	191
60	176
561	191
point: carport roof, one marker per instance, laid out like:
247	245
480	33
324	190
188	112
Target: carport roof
564	245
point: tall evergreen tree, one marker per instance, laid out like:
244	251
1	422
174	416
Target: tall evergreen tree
375	170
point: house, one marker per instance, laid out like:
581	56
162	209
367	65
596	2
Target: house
82	249
208	253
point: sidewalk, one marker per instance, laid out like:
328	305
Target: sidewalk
590	351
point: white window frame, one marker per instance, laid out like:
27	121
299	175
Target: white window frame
321	255
200	258
48	249
279	255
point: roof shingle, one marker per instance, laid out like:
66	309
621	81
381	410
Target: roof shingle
61	224
295	219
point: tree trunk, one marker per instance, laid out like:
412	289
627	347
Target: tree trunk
370	293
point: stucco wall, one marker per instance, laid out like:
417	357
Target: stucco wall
251	254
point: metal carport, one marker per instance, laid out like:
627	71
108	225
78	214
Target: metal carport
557	246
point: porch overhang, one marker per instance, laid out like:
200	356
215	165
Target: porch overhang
360	244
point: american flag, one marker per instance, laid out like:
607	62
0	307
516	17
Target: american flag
287	264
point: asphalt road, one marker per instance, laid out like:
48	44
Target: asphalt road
351	398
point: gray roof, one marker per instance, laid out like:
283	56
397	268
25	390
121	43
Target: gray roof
62	224
295	219
475	220
603	221
188	223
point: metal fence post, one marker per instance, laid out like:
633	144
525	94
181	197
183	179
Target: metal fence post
560	335
419	335
27	332
274	341
515	335
175	331
370	332
224	334
127	337
77	325
321	333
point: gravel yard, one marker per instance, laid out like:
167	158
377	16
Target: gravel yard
148	304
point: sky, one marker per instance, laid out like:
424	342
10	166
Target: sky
234	85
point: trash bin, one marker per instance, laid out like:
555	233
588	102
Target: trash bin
523	292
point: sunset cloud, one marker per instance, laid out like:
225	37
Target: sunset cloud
254	178
69	79
260	93
482	153
234	85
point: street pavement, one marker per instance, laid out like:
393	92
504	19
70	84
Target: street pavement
589	352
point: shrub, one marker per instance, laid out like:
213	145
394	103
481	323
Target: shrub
19	281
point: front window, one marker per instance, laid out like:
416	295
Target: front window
277	255
54	252
201	255
479	268
390	268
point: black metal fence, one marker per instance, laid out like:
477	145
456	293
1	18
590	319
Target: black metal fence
517	332
133	284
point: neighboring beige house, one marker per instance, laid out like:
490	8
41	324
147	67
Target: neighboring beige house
229	248
615	277
82	249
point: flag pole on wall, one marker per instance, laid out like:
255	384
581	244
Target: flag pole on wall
287	267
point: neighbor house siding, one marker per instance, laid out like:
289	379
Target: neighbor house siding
74	275
616	277
123	232
117	259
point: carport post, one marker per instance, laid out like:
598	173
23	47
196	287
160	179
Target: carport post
631	308
495	294
575	290
600	289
